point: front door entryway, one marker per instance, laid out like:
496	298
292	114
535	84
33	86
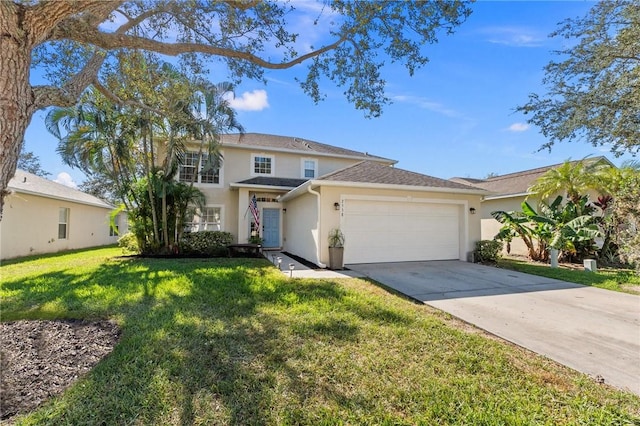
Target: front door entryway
270	228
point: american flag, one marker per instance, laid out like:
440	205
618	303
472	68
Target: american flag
253	206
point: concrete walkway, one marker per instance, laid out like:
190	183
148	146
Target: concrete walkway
591	330
302	271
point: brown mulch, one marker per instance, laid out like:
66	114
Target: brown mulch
40	359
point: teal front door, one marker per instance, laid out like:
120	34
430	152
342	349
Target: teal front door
270	228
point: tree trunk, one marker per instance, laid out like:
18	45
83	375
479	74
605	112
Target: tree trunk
16	104
150	181
22	27
165	225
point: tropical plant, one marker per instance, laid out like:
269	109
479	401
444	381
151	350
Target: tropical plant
567	227
140	152
625	213
619	212
336	238
255	239
572	179
100	139
517	224
170	197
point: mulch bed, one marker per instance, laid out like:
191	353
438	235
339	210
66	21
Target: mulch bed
40	359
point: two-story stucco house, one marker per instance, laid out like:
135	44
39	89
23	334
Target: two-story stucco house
303	189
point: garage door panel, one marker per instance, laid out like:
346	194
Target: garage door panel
383	231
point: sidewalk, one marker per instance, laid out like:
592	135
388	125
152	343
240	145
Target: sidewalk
302	271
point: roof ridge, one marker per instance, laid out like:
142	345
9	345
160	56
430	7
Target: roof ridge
393	175
539	169
294	143
67	192
343	169
41	178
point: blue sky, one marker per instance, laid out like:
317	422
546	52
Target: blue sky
454	117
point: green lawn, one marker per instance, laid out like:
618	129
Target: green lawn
233	341
622	280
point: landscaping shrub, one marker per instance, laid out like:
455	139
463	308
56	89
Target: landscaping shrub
487	251
206	243
129	243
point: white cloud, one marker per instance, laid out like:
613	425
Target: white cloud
514	36
65	179
424	103
518	127
249	101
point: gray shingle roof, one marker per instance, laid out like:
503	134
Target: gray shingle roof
29	183
273	181
374	172
260	140
518	182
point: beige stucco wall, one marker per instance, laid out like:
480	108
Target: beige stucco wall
301	231
286	165
237	166
331	218
30	226
490	226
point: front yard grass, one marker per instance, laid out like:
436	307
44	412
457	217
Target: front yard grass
234	341
623	280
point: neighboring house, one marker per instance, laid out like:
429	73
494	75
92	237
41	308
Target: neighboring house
41	216
507	192
303	189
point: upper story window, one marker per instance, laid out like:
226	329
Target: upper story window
309	168
205	173
63	223
262	164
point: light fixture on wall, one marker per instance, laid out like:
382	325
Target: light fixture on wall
284	210
336	206
472	210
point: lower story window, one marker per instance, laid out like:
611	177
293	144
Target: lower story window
206	219
114	228
63	223
254	230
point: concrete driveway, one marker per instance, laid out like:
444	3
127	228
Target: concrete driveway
591	330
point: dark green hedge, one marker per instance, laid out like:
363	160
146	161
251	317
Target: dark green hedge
487	251
206	243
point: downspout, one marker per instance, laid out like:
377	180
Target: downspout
317	194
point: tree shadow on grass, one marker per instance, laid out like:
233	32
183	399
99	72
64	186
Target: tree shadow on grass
200	335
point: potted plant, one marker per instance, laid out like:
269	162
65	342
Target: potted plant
336	249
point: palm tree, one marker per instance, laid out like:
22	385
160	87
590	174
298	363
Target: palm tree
133	146
572	179
95	137
172	199
202	117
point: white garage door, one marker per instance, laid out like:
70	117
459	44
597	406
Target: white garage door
386	231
